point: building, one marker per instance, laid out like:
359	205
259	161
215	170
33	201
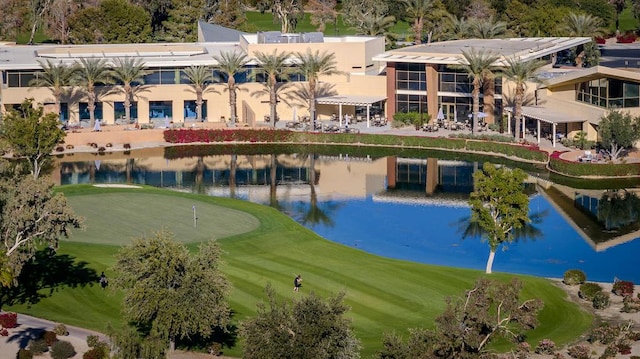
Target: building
167	95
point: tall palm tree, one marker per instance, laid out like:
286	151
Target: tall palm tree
520	72
129	72
416	11
56	77
455	28
376	25
478	64
89	74
487	28
581	25
200	78
230	63
312	65
275	68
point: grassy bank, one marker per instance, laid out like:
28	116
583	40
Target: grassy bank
384	294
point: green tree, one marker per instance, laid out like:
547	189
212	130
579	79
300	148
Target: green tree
182	24
229	64
32	216
200	78
113	21
455	28
286	12
323	12
32	135
368	17
56	77
229	13
619	6
313	65
581	25
617	131
416	12
158	11
274	66
169	292
499	205
310	327
520	73
129	73
38	9
89	74
479	65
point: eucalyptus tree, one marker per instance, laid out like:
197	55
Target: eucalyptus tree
129	73
56	77
200	77
231	63
479	65
520	73
313	65
276	69
89	74
417	11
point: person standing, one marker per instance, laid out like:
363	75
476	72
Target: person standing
297	283
103	281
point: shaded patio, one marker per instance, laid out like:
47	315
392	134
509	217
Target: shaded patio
541	115
351	100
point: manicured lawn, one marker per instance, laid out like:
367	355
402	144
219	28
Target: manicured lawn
384	294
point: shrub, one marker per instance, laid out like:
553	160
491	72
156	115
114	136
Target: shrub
62	350
38	346
610	351
623	288
633	336
588	290
126	146
623	347
545	346
49	337
95	353
630	304
8	320
109	144
604	333
579	351
558	356
25	354
601	300
59	148
92	340
101	149
4	332
70	147
61	329
574	277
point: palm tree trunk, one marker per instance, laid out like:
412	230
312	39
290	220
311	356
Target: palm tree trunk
273	103
476	106
273	195
417	30
127	105
199	106
91	106
312	101
233	167
518	109
492	255
232	100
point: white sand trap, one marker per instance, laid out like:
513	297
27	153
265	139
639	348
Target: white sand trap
116	185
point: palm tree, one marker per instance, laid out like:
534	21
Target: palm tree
92	72
200	78
455	28
416	11
478	64
520	72
275	68
56	77
487	28
581	25
230	63
313	65
130	73
376	25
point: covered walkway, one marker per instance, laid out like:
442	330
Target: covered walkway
351	100
542	114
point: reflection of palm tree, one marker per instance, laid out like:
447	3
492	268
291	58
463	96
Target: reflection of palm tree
315	213
199	177
233	168
273	196
529	230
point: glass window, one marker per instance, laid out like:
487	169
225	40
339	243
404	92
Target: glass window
153	78
160	109
14	80
25	78
84	111
119	111
64	112
168	76
190	110
631	90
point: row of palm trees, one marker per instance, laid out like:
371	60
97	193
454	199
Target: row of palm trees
129	74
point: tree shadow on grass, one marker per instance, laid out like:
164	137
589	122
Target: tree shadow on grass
45	274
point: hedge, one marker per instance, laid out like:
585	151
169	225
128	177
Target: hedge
579	169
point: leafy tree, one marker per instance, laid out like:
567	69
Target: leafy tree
200	78
229	13
479	9
619	6
456	7
286	12
38	9
32	216
113	21
618	209
58	19
456	28
230	64
312	65
491	309
520	73
169	293
86	26
478	64
498	205
618	130
275	68
14	18
129	73
322	13
158	11
368	17
416	12
182	23
89	74
56	77
310	327
32	135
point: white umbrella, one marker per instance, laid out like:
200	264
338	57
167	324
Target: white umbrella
166	121
440	115
96	127
482	115
97	163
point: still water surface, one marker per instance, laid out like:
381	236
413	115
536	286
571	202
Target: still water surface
406	208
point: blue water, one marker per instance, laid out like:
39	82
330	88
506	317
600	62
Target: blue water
431	234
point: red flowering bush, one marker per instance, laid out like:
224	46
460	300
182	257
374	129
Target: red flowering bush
626	38
4	332
601	40
623	288
8	320
226	135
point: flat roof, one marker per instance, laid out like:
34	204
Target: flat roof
450	52
350	100
555	115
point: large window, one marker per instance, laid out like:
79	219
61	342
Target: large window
164	76
119	110
20	78
411	77
190	110
411	103
609	93
160	109
84	111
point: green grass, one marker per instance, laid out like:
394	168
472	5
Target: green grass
627	21
384	294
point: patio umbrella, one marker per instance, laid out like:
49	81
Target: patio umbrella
482	115
97	163
96	127
440	115
166	121
294	113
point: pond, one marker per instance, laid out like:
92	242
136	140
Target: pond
412	209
